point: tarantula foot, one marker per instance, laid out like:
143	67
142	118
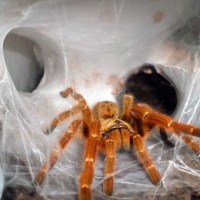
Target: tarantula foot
48	131
66	92
34	183
39	178
108	186
85	193
154	175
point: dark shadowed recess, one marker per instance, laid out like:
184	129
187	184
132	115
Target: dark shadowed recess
21	62
151	87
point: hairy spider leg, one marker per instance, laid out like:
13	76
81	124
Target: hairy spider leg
81	107
117	137
127	103
141	132
91	151
144	157
78	97
57	151
147	114
141	127
63	116
108	184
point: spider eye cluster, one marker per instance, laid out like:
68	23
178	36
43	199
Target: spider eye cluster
106	109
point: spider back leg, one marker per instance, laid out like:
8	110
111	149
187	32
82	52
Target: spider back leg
108	184
89	162
144	157
148	115
57	151
110	143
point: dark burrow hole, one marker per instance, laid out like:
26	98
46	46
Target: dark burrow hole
152	87
23	67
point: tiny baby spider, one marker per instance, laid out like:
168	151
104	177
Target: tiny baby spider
108	128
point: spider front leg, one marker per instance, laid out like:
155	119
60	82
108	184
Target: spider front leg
81	107
62	116
144	157
110	148
78	97
127	103
91	150
57	151
148	115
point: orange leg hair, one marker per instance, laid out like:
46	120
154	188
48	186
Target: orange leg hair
144	157
81	107
118	138
86	176
127	103
108	184
141	127
147	114
78	97
57	151
62	116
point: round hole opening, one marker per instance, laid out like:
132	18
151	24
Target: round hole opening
23	67
152	87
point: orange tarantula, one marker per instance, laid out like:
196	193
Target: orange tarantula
108	128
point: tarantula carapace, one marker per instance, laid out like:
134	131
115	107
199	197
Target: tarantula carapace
108	128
